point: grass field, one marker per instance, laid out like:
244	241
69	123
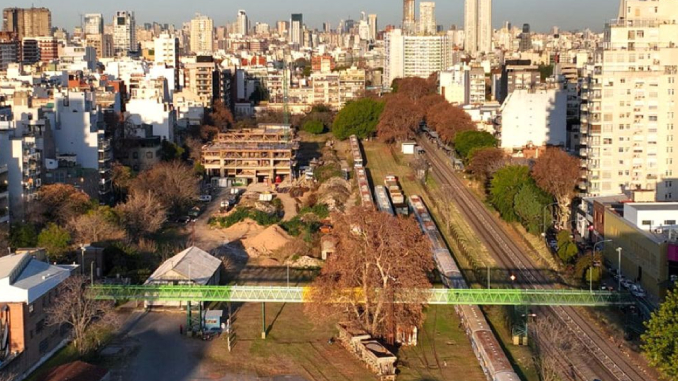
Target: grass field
381	161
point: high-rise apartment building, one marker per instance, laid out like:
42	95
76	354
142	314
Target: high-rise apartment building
297	28
124	33
27	22
242	23
414	56
282	27
525	39
628	112
372	21
427	17
409	19
478	26
202	34
94	23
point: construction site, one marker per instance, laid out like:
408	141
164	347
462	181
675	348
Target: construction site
266	154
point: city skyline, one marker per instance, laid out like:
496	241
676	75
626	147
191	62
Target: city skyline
66	14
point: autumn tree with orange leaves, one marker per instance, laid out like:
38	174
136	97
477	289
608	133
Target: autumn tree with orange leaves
380	259
556	173
400	119
448	120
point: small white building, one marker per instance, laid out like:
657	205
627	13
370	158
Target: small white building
192	266
408	148
535	117
652	216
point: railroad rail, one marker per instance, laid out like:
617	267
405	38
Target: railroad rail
437	296
506	252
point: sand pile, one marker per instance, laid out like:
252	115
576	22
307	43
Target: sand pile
242	230
269	240
305	262
334	193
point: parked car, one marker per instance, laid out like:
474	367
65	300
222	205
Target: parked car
626	283
184	220
205	198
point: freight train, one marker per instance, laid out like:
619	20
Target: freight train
490	355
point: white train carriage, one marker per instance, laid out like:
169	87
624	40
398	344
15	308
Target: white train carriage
448	269
492	358
357	154
364	188
383	201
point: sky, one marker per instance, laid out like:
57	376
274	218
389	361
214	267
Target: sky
540	14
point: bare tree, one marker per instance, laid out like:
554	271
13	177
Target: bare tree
556	172
60	203
142	214
486	161
73	308
399	120
174	183
96	226
379	258
448	120
554	346
446	204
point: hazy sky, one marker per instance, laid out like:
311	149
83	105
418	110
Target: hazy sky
540	14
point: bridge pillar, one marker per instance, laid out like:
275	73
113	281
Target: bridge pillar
263	320
188	317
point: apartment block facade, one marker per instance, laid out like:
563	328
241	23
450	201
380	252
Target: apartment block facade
628	112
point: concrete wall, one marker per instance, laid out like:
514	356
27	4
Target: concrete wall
534	117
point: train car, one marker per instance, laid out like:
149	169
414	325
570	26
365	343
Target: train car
396	194
490	355
383	202
364	188
358	160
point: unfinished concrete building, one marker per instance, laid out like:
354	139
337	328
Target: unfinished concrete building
264	154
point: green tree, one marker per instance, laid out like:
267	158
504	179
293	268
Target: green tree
56	242
315	127
358	117
505	184
583	266
170	151
529	205
467	142
22	235
568	251
660	341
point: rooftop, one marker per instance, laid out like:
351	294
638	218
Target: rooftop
24	278
654	206
193	264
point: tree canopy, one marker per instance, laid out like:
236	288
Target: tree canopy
60	203
529	205
556	172
358	117
56	241
174	183
448	120
504	187
468	141
660	340
315	127
484	162
400	119
381	256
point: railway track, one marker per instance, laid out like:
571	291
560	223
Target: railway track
510	256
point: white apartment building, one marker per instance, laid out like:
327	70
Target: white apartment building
202	34
414	56
149	105
337	88
652	216
534	117
124	33
427	18
94	23
628	111
374	29
166	50
478	26
297	28
463	84
242	23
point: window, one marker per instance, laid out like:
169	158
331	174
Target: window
669	184
30	308
39	326
44	345
647	222
670	222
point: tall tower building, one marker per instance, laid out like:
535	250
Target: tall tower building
414	55
372	21
27	22
628	112
525	39
202	34
478	26
409	20
124	33
242	23
297	28
427	17
94	23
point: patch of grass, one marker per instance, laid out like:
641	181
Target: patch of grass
240	214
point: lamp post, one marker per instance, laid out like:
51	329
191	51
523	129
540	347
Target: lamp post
593	252
513	280
619	251
543	212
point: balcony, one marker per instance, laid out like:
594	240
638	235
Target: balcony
584	152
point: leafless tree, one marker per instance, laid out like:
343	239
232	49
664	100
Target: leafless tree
96	226
399	120
448	120
142	214
555	346
174	183
446	204
60	203
73	308
486	161
556	172
379	258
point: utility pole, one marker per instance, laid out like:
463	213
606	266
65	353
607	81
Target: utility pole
619	275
